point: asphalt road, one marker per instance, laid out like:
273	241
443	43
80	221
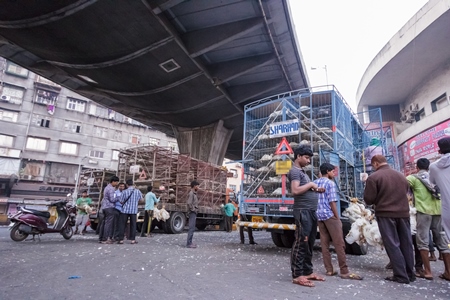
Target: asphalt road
162	268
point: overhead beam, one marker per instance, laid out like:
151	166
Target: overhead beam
163	5
199	42
244	92
229	70
49	17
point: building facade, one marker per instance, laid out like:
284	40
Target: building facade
48	132
409	80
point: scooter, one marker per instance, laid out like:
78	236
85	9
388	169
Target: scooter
29	221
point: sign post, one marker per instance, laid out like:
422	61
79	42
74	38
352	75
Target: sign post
283	167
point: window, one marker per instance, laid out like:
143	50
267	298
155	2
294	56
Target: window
439	103
68	148
75	104
36	144
233	187
173	146
6	115
117	135
41	121
101	131
96	154
12	94
46	97
115	155
235	173
13	69
419	115
72	126
6	140
153	141
98	111
134	139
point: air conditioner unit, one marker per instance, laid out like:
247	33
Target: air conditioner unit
414	108
6	98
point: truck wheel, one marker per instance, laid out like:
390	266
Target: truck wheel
288	238
359	250
201	226
276	238
94	225
165	226
177	221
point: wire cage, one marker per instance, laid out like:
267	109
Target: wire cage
316	118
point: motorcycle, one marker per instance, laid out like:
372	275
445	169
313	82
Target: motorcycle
30	221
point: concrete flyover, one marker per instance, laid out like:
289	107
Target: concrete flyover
186	68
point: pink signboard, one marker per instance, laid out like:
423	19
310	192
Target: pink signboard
424	145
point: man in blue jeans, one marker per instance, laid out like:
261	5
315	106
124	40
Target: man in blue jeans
192	203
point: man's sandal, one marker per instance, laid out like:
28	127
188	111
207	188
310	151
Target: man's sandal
331	273
315	277
352	276
303	282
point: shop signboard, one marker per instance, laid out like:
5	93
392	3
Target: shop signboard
423	145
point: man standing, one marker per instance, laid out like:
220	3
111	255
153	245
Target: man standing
108	203
305	206
387	189
428	218
82	215
440	175
192	203
330	225
229	209
118	207
129	200
150	201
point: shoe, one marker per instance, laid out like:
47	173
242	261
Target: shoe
432	258
395	279
191	246
242	242
108	242
388	266
253	243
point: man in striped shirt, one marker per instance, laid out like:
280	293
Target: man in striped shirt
129	199
330	225
108	203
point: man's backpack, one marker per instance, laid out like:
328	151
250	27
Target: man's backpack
433	189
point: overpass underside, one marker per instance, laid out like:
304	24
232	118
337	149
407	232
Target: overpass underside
186	68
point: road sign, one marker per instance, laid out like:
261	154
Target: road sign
287	148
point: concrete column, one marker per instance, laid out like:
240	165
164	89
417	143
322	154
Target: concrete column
208	143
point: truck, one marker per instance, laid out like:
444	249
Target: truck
276	125
170	173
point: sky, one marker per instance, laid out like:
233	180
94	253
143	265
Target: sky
345	35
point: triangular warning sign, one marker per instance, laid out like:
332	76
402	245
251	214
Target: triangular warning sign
287	147
143	175
260	190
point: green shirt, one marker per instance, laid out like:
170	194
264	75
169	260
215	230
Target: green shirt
423	200
82	202
229	209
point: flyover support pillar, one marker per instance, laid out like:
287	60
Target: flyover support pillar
208	143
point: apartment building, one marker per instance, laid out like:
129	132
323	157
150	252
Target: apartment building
47	132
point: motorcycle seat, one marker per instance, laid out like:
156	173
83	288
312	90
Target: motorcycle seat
39	213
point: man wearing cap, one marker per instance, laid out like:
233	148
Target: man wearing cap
440	176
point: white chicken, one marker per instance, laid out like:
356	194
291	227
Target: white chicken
266	157
277	191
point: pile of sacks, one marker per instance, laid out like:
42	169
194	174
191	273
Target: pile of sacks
161	214
364	227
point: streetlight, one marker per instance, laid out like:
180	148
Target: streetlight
326	71
75	192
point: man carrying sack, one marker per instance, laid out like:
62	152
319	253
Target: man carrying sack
150	201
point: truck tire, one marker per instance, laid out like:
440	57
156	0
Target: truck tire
176	222
93	225
276	238
165	226
359	250
346	225
288	238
